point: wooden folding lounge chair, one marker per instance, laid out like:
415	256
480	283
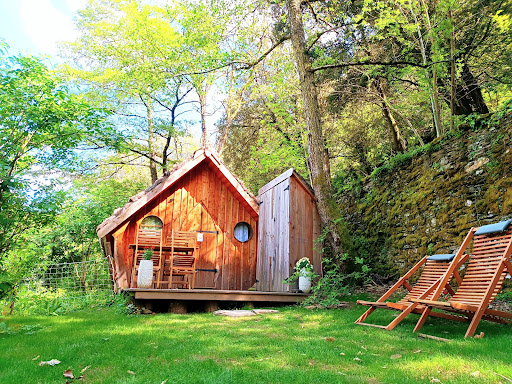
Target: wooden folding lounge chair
434	269
437	271
489	263
148	236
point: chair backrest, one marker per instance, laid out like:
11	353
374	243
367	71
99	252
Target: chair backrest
432	272
140	256
149	235
183	239
486	259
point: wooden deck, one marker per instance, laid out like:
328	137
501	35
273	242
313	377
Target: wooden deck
216	295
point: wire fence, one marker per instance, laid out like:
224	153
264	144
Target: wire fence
66	286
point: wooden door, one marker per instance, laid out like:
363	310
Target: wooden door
273	241
207	266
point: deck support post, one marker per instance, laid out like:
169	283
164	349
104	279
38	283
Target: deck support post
211	306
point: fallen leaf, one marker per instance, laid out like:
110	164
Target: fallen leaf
69	374
37	357
480	336
418	351
131	372
85	369
51	362
330	339
396	356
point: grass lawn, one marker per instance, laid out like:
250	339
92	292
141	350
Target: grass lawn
293	346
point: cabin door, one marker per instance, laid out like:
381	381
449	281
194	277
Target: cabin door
207	268
273	253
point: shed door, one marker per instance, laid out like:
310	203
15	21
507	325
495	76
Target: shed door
207	263
273	245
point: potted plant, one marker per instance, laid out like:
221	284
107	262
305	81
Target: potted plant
145	276
304	273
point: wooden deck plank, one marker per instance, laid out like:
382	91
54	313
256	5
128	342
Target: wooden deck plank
216	295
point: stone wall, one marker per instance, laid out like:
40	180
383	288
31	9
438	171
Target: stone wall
428	202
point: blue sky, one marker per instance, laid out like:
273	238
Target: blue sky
35	26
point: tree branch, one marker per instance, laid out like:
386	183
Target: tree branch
384	63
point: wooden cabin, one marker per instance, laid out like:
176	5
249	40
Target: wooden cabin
240	243
289	227
200	195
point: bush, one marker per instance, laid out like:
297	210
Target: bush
337	282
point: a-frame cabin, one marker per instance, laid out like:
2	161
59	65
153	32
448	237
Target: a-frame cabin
200	195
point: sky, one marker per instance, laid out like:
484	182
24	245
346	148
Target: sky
34	27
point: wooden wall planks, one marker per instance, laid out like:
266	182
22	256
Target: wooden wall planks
199	201
288	228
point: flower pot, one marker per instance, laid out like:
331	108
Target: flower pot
145	276
304	284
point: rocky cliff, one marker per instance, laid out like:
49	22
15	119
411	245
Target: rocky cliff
426	201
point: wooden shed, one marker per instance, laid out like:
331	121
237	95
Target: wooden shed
199	195
289	226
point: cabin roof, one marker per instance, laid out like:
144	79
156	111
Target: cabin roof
169	178
285	176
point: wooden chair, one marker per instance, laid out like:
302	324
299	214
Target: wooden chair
182	259
148	236
434	269
489	263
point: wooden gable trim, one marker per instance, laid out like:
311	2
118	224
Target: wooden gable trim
249	201
278	180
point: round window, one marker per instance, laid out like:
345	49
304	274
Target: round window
243	232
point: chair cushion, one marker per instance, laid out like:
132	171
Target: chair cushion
442	257
493	228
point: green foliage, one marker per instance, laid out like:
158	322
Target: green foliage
341	276
403	159
303	268
41	125
148	254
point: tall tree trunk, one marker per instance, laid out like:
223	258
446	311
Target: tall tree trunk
399	144
433	91
317	151
151	141
468	95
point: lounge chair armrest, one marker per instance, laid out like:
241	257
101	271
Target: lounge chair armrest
431	302
364	302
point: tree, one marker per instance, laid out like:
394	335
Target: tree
318	155
135	76
42	125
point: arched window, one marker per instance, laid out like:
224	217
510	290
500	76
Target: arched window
243	232
151	222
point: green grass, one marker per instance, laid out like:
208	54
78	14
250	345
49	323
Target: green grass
294	346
